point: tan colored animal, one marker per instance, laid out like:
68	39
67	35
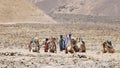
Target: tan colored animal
107	47
34	45
70	46
80	46
52	46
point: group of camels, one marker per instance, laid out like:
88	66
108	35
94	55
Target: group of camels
75	45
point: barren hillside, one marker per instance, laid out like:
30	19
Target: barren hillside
85	7
106	11
48	5
94	30
21	11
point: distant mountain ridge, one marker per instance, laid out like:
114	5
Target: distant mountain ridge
85	7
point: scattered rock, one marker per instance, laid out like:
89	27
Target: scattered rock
82	56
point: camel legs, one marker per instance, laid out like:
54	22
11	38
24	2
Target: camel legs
82	48
104	48
107	49
29	49
71	50
111	50
66	51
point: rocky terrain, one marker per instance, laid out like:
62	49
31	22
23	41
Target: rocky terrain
81	10
14	40
20	20
84	7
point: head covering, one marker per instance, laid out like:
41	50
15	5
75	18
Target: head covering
61	36
70	35
80	39
46	39
35	39
109	44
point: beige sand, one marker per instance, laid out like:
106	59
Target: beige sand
15	38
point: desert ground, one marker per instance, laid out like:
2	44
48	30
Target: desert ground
21	20
14	39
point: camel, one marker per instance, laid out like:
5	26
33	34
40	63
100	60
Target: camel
52	46
107	47
70	46
80	46
34	45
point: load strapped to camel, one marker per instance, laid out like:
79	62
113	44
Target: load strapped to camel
50	45
107	47
34	45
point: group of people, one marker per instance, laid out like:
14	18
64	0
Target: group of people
67	44
64	41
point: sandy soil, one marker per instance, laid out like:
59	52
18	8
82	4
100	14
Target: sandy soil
14	53
20	20
21	10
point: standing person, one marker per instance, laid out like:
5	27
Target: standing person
61	43
47	42
67	41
